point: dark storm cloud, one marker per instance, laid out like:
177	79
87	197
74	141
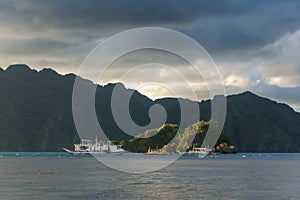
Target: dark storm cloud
262	24
219	26
75	13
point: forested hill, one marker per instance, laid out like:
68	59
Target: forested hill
36	115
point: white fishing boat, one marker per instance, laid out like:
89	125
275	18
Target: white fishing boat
88	147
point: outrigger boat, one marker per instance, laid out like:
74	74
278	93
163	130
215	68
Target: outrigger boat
88	147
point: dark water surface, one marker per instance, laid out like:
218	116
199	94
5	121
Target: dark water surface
61	176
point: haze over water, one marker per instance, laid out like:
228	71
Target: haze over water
60	176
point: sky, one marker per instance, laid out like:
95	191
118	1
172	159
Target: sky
255	44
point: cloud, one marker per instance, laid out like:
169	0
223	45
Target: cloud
219	26
75	13
282	60
255	44
272	71
290	95
278	74
32	46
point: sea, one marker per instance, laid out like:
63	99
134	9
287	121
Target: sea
65	176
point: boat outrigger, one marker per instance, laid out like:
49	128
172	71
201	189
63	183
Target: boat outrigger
88	147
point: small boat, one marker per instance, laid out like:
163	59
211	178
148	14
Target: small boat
154	152
200	151
88	147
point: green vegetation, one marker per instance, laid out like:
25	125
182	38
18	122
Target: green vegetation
164	139
155	138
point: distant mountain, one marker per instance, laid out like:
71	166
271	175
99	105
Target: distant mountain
254	123
259	124
36	114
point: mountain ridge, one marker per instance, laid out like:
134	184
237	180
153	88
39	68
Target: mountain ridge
36	114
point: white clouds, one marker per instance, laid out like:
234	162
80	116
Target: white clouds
281	60
277	71
272	70
234	80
